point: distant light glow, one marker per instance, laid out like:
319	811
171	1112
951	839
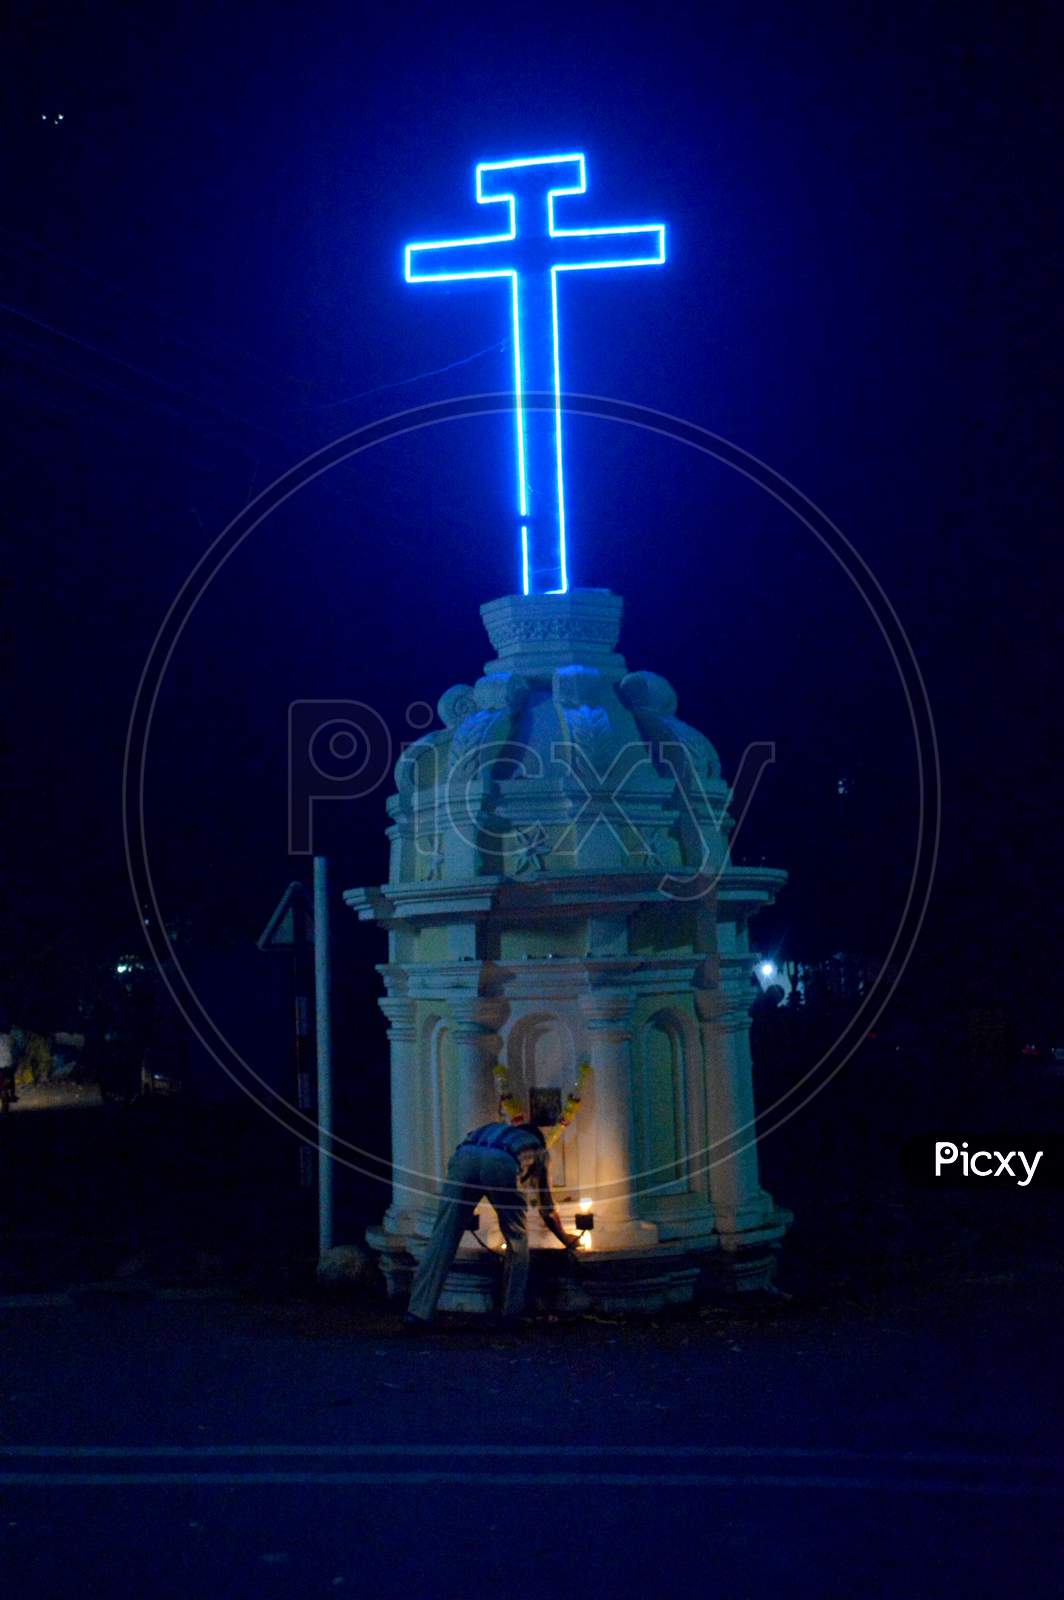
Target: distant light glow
532	272
767	969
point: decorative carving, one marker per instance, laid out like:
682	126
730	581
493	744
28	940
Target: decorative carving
500	691
530	846
478	740
455	704
659	730
480	737
582	619
435	859
565	629
648	691
584	701
425	755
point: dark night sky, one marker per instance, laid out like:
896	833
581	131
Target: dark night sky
201	267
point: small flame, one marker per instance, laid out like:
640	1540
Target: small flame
585	1203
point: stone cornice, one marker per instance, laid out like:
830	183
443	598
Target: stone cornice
476	1015
471	982
740	890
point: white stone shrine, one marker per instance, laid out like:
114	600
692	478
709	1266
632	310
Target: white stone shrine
560	890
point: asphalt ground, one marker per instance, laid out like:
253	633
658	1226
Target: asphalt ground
200	1445
181	1416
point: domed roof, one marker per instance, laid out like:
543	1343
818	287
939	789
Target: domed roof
558	759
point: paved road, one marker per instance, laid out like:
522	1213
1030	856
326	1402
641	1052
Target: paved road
894	1432
194	1447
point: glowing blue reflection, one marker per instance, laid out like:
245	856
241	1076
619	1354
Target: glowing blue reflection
529	187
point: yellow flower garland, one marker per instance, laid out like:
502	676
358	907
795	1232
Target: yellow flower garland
509	1105
512	1109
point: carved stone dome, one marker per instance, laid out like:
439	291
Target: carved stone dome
558	760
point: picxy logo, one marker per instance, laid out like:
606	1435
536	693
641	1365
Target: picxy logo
984	1163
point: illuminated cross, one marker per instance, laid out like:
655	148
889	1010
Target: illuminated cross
531	253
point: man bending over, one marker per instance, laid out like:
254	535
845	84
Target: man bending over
508	1165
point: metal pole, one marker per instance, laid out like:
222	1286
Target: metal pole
301	1023
323	1000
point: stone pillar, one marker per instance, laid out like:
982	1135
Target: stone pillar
406	1143
607	1017
739	1202
474	1025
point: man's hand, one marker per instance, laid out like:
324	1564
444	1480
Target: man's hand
571	1241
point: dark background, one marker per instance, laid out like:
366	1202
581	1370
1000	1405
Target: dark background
203	284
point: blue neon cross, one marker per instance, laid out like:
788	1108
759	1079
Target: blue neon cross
531	253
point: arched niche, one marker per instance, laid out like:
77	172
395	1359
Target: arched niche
541	1056
665	1104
